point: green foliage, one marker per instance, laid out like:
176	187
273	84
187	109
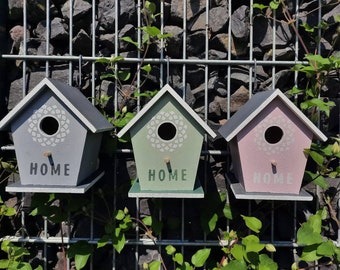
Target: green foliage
80	251
15	257
6	210
249	253
115	230
315	246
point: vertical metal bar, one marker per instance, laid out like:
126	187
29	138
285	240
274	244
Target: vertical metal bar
93	32
137	233
184	55
161	67
24	45
274	50
48	31
70	42
229	57
139	41
252	78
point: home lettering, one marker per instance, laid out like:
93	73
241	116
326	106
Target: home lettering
163	175
273	179
47	169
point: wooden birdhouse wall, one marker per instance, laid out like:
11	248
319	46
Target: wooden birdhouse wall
271	149
47	127
168	163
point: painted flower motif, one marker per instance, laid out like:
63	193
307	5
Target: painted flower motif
61	130
166	131
282	141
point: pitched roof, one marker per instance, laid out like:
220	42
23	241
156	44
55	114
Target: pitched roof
71	98
254	106
167	89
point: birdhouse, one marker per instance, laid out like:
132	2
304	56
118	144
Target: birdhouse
57	134
167	137
267	138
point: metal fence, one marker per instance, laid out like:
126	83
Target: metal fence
281	217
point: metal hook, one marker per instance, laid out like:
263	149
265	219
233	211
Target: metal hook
255	74
80	61
167	69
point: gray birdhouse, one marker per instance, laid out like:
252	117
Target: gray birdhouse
167	137
267	138
57	134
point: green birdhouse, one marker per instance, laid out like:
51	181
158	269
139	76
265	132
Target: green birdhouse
167	137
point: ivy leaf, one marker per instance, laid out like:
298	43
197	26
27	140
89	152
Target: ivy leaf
326	249
118	240
178	258
129	40
154	265
309	253
170	250
266	263
252	223
306	235
236	265
252	243
259	6
237	251
200	257
274	4
147	68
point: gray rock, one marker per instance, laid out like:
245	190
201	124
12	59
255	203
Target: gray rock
194	7
80	9
218	20
174	44
240	23
82	43
330	16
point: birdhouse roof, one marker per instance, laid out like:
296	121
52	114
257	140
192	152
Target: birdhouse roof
254	106
71	97
167	89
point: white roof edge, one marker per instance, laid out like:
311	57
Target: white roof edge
247	120
318	133
21	104
169	89
72	107
278	93
36	90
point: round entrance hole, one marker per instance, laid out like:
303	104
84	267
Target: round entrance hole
167	131
273	134
49	125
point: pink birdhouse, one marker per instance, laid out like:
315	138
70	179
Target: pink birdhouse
267	138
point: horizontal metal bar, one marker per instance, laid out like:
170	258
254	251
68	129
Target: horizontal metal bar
144	242
156	60
130	151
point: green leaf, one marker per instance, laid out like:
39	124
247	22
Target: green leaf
252	243
309	253
81	260
307	27
274	4
154	265
266	263
170	250
306	235
152	31
129	40
326	249
103	241
4	264
147	220
39	268
118	240
237	251
236	265
123	75
259	6
178	258
147	68
119	215
316	178
270	248
227	212
253	223
200	257
318	158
